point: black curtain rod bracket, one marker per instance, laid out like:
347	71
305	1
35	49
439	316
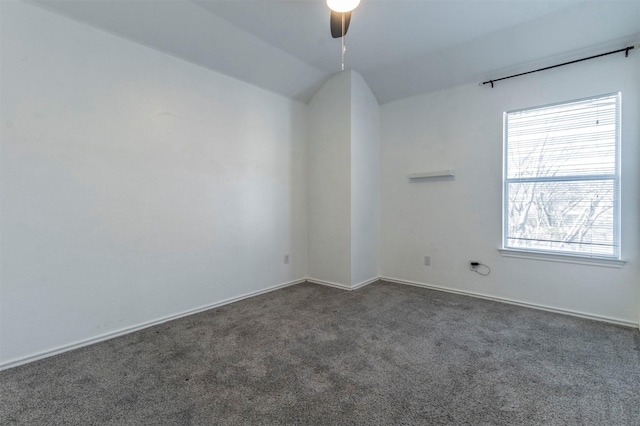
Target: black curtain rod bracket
624	49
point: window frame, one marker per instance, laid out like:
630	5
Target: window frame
614	260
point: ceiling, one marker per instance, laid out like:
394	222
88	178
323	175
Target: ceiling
400	47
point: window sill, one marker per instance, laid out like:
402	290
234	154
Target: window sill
565	258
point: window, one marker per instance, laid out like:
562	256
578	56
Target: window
562	178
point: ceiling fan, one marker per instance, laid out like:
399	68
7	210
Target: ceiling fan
341	16
340	19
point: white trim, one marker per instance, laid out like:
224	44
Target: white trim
564	258
612	105
364	283
328	283
601	318
86	342
342	286
106	336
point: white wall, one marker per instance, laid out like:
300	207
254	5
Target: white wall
458	220
134	185
329	182
365	182
343	182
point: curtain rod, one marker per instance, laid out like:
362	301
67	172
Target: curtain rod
624	49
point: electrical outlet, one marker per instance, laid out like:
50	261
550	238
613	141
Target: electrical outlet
427	261
286	258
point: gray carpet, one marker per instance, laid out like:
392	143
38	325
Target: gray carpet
307	354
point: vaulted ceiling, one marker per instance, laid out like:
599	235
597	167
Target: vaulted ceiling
400	47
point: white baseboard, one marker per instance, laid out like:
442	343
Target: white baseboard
106	336
364	283
328	283
86	342
616	321
342	286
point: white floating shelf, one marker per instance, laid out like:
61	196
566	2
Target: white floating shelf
437	173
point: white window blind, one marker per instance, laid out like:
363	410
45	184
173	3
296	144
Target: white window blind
562	178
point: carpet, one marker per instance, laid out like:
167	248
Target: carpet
307	354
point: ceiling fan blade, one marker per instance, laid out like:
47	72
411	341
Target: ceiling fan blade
336	23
